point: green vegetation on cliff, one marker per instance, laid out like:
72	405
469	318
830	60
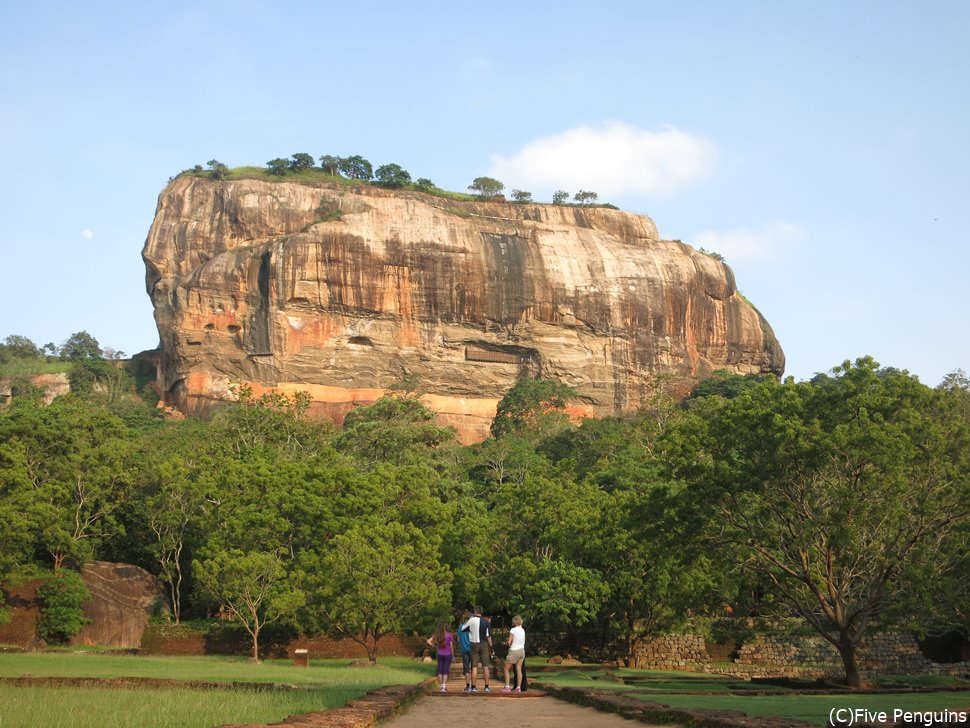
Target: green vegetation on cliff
355	170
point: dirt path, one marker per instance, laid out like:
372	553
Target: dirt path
494	710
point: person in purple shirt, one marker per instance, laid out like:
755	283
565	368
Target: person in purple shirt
442	639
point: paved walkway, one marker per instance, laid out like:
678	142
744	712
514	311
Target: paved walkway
494	710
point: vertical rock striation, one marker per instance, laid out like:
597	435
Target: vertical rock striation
345	291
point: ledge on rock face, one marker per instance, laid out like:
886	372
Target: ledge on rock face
345	291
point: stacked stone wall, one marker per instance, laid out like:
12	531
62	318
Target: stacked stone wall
884	653
673	652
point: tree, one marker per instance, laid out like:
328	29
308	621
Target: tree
584	197
486	187
219	170
536	405
381	579
21	347
81	345
253	586
329	163
840	493
559	197
60	599
301	161
273	419
356	167
173	506
394	429
957	385
74	457
278	166
392	175
729	385
104	377
521	196
424	184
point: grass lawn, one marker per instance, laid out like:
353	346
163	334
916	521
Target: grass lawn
698	690
323	685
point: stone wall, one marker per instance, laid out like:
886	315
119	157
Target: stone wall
887	653
673	652
795	656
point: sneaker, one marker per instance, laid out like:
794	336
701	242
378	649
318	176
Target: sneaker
517	690
488	689
444	689
507	689
468	689
473	689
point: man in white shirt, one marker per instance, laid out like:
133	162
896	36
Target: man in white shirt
480	632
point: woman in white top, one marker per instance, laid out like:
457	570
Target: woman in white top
516	656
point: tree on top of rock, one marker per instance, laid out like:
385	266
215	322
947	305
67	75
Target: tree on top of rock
301	161
392	175
329	163
355	167
278	166
486	187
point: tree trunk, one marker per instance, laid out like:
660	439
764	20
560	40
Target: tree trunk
632	642
255	634
847	651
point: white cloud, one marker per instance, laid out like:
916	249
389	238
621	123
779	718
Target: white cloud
87	234
612	159
743	244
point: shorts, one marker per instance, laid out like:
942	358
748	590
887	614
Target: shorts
481	652
466	662
444	663
515	657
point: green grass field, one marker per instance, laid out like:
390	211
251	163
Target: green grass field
323	685
696	690
17	367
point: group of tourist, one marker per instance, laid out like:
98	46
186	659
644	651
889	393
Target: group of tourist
475	646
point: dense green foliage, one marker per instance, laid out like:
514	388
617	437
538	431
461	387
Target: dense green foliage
486	187
842	500
393	176
60	599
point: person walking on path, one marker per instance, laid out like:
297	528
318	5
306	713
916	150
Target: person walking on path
443	640
480	632
516	655
465	646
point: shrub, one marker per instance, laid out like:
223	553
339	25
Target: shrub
60	600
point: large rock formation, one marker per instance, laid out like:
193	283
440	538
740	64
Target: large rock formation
123	598
345	291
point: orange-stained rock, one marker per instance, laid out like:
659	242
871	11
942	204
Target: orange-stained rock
461	298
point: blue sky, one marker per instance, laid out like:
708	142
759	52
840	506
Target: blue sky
821	147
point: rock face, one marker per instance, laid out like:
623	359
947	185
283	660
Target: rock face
123	599
345	291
